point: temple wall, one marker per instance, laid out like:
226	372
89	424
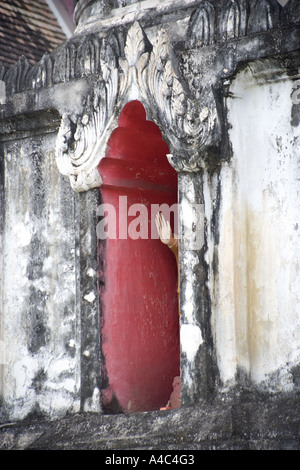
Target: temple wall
218	78
40	324
257	288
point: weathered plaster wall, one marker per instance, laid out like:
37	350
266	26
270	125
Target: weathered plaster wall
257	289
239	288
41	328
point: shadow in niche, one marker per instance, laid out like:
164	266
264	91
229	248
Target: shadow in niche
140	344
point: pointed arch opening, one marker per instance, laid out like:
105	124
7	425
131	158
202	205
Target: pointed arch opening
138	275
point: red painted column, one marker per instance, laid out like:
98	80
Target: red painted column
138	294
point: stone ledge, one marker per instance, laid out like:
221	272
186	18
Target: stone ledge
245	422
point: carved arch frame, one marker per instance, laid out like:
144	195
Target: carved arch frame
146	73
188	108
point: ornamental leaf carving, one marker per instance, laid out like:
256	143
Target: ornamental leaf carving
135	45
81	145
146	73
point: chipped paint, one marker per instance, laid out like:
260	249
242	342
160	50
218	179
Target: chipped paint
190	340
257	302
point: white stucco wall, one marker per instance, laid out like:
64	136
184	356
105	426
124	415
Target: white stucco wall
39	282
256	294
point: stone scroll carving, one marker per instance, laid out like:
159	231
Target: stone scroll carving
81	145
185	123
145	72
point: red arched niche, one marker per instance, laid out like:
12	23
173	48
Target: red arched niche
138	274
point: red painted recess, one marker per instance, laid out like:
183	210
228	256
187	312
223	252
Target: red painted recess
138	277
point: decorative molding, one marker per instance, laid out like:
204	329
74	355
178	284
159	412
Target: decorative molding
264	16
214	22
144	74
81	145
201	30
16	75
211	22
153	77
182	95
234	19
111	14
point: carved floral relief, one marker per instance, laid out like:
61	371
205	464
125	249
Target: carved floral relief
145	72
